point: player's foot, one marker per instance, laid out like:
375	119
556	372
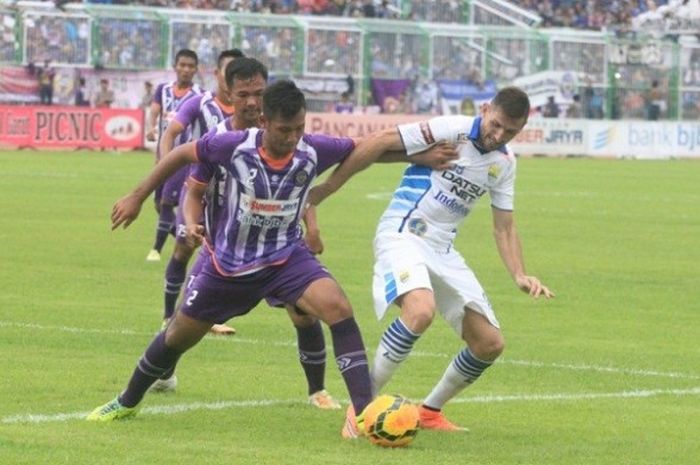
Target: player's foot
323	400
353	427
111	411
164	385
430	419
153	256
222	330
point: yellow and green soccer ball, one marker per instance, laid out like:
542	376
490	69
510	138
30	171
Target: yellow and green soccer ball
391	421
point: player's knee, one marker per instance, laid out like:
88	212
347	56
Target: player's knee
418	318
182	252
488	348
302	320
337	310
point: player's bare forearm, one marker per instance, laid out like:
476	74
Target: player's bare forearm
127	209
438	157
366	152
167	142
193	211
510	250
313	232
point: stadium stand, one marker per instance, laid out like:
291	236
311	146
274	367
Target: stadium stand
460	49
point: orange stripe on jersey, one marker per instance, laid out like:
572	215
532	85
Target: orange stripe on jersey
180	91
196	181
219	270
230	109
426	132
274	163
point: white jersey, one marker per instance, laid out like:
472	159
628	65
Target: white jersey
432	204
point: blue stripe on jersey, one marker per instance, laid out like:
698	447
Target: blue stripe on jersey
410	195
419	175
390	292
415	182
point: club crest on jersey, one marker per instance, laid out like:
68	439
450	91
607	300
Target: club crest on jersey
403	276
462	137
417	226
251	176
494	171
300	178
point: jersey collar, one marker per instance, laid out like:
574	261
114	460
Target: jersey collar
474	134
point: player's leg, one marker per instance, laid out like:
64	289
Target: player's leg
170	196
417	312
312	356
325	299
175	274
400	276
158	361
210	298
463	303
484	345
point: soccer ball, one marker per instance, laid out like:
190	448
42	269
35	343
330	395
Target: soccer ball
391	421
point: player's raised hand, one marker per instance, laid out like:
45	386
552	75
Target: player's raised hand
125	211
194	235
533	286
439	157
151	135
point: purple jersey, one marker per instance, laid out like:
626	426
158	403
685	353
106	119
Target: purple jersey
259	222
166	96
202	113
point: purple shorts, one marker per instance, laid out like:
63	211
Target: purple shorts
172	187
215	298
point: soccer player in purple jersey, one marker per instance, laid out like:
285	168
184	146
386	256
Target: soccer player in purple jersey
196	116
258	250
167	99
245	81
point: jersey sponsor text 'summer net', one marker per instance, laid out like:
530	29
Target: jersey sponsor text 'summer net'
258	225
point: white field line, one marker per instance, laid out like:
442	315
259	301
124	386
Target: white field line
232	404
415	353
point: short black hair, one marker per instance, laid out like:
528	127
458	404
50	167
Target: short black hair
244	68
186	52
513	101
284	99
230	53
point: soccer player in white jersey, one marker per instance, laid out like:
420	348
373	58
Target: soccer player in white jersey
417	267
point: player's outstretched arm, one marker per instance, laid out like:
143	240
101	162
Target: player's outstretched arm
127	209
366	152
438	157
508	243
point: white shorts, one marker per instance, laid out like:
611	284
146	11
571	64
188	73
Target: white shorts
404	262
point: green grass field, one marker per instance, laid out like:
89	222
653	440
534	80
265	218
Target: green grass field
606	373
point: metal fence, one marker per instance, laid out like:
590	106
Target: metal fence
615	73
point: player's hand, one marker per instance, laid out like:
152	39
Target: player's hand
314	242
125	211
194	235
438	157
151	135
533	286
